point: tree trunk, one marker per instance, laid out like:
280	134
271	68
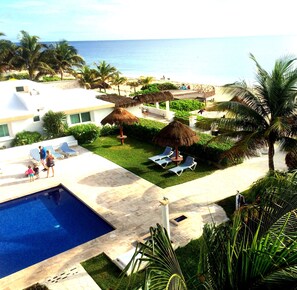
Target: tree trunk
119	90
271	155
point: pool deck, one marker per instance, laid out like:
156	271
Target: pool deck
128	202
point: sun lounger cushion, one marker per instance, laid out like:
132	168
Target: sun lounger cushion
67	150
167	153
56	154
190	163
34	153
163	162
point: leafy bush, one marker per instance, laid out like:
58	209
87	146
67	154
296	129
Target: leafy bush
149	90
50	78
161	86
85	133
25	138
55	124
107	130
18	76
184	105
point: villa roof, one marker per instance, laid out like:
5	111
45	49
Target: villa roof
23	99
126	102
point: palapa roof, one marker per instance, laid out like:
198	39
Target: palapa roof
176	134
119	116
126	102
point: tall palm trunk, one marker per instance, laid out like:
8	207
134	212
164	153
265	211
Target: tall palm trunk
271	155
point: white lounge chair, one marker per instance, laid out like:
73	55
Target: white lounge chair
124	259
67	150
163	162
189	163
53	152
167	153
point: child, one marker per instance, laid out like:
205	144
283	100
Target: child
36	170
30	173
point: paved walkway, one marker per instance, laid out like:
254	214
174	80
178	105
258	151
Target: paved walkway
128	202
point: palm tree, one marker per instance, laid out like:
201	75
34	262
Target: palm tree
65	57
7	50
262	115
163	270
104	73
86	76
257	253
31	55
117	80
145	81
133	84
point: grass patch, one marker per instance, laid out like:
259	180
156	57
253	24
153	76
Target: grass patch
133	156
107	275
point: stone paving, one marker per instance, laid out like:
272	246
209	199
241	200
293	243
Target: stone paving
128	202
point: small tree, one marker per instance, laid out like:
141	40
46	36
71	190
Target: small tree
54	124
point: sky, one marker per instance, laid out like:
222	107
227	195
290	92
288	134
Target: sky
54	20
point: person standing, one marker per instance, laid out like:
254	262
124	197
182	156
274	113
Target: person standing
42	154
30	173
50	163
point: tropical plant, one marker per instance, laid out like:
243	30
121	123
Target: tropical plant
104	73
85	133
65	58
55	124
133	84
145	81
25	138
262	115
7	50
162	270
118	80
86	76
31	55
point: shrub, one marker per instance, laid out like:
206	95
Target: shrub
25	138
291	160
85	133
54	124
18	76
161	86
108	130
185	105
50	78
149	90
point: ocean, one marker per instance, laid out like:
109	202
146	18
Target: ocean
214	61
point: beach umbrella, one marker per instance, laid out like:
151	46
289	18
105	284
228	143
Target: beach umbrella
120	116
176	134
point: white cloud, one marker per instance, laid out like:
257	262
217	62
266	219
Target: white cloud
137	19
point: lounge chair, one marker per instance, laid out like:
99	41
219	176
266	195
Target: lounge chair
52	150
163	162
123	260
67	150
189	163
34	153
167	153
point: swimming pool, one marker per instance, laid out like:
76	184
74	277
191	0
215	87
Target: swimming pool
41	225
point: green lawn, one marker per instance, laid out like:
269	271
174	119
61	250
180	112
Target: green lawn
133	156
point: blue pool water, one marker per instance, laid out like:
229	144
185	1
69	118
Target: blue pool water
44	224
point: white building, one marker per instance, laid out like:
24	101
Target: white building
24	103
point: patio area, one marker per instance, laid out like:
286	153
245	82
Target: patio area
126	201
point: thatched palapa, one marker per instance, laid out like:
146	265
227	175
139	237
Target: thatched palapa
120	116
176	134
126	102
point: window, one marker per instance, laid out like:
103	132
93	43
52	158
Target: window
36	118
85	117
4	130
80	118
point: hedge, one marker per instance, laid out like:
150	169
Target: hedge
211	152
